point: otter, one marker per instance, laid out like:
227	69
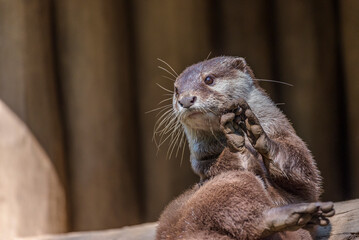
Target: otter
258	180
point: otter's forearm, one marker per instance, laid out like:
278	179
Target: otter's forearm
291	167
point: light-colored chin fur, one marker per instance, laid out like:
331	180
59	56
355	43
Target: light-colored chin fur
201	121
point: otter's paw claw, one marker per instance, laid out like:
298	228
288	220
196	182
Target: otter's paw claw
227	123
235	138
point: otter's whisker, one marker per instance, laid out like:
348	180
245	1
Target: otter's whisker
209	54
164	119
184	146
173	134
175	141
165	100
169	126
165	116
167	111
164	88
168	123
211	111
174	129
161	140
156	109
159	59
273	81
164	140
164	69
164	109
203	110
180	143
167	77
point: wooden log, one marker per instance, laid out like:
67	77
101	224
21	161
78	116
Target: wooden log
343	225
144	231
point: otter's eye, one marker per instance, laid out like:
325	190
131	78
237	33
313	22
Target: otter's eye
209	80
176	91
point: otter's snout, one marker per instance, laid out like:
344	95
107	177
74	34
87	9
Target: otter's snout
187	101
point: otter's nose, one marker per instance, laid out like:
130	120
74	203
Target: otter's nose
187	101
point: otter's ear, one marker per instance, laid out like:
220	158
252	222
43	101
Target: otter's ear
241	64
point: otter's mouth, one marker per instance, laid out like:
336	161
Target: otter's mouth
199	120
197	114
191	111
194	114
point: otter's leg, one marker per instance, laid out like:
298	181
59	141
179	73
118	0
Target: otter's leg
295	216
172	214
230	205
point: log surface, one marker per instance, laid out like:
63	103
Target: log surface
144	231
343	225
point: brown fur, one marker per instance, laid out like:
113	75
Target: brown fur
245	172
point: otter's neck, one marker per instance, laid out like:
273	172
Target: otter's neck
205	147
203	144
271	118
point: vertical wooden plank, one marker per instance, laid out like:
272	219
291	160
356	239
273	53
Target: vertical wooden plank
308	60
12	85
177	32
93	52
27	79
245	31
27	86
350	46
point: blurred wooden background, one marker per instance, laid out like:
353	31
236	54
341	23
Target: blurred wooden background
81	74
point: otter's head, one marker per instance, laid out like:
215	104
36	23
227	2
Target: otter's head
204	90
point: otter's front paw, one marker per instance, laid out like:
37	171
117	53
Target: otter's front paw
234	135
294	216
250	124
